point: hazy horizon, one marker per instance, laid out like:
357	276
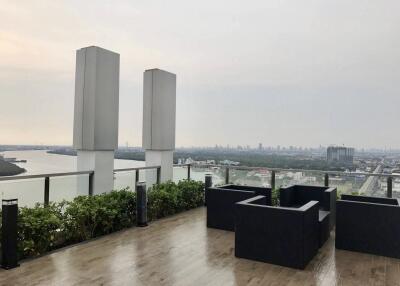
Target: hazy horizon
301	73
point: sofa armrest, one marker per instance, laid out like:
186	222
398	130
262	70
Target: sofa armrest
311	214
311	229
257	200
329	203
331	195
330	190
309	205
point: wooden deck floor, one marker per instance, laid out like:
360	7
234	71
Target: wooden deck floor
180	250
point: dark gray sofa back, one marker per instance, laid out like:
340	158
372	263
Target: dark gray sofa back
259	191
368	227
376	200
220	205
301	194
296	195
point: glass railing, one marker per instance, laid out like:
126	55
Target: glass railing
32	189
28	192
129	178
249	177
369	184
396	188
181	173
55	187
65	186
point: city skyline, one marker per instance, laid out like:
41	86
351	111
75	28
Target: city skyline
310	74
248	147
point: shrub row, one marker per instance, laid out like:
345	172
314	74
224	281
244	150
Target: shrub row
44	228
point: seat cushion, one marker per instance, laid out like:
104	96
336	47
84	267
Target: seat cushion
324	232
323	215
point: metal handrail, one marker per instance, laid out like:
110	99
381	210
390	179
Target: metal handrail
47	177
64	174
183	165
189	166
14	178
295	170
389	177
136	168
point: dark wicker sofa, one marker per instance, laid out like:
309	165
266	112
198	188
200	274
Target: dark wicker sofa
368	224
277	235
297	195
221	200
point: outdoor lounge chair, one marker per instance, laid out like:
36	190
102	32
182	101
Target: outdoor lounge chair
297	195
221	200
368	224
277	235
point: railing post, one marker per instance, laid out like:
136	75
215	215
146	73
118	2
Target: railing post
326	180
188	172
91	184
207	184
227	175
158	175
46	191
273	180
389	187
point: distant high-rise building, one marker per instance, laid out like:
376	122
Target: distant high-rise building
260	147
340	154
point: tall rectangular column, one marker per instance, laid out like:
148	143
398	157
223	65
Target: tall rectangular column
159	116
96	114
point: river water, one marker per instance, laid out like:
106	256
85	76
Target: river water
30	191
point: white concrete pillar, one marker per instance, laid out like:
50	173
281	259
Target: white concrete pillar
96	114
159	113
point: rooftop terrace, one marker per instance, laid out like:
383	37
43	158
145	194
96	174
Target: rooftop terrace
181	250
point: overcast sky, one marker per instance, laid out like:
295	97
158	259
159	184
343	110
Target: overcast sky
300	73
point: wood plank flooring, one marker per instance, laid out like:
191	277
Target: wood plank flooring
180	250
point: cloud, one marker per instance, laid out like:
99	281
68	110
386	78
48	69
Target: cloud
281	72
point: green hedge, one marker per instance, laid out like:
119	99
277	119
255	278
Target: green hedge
42	229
